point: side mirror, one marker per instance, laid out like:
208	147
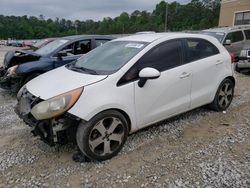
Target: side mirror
147	73
228	42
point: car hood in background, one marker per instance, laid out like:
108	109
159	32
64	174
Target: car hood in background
59	81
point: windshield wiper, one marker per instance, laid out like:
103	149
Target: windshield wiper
82	69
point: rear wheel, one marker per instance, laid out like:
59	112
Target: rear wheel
224	96
103	136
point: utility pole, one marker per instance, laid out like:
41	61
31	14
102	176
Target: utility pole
166	17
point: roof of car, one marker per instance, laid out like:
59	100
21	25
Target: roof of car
74	37
225	29
155	36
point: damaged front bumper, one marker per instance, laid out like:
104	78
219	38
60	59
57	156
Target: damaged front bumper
11	83
59	130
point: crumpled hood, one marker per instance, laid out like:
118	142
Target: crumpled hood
17	57
59	81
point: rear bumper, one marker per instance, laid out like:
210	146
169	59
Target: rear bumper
243	64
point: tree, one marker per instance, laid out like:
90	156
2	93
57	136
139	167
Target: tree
198	14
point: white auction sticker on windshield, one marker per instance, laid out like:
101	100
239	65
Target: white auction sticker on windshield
134	45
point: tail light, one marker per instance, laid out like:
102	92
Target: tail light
232	58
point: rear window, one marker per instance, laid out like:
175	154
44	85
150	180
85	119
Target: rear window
247	33
199	49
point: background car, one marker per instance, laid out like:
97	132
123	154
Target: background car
23	66
244	60
126	85
233	38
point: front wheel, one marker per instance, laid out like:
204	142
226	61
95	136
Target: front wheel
103	136
224	96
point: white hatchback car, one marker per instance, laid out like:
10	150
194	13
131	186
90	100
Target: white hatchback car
126	85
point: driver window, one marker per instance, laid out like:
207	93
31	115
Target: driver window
68	50
82	47
79	47
163	57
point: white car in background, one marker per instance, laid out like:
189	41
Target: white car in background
126	85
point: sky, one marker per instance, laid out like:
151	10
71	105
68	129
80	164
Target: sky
76	9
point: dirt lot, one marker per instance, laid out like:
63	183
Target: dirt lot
201	148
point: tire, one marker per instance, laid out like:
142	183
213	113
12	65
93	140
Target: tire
223	96
103	136
237	69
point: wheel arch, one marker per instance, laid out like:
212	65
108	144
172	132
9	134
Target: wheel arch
218	84
232	79
123	113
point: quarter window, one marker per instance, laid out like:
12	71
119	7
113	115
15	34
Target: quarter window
235	36
199	49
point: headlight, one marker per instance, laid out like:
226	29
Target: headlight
56	106
12	70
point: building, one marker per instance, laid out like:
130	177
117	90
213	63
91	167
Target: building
234	12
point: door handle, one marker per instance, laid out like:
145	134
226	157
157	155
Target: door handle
218	62
185	75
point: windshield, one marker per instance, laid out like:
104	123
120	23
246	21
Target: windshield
218	35
47	49
109	57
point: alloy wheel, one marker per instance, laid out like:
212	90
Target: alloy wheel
106	136
225	95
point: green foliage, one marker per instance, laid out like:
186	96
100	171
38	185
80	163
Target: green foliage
196	15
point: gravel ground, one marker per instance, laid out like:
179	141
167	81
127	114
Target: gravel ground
200	148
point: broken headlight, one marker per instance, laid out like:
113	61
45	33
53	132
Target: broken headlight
56	106
12	71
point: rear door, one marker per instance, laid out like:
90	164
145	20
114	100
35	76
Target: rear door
206	63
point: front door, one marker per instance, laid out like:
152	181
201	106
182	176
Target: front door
167	95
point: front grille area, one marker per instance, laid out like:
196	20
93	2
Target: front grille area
33	99
59	130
